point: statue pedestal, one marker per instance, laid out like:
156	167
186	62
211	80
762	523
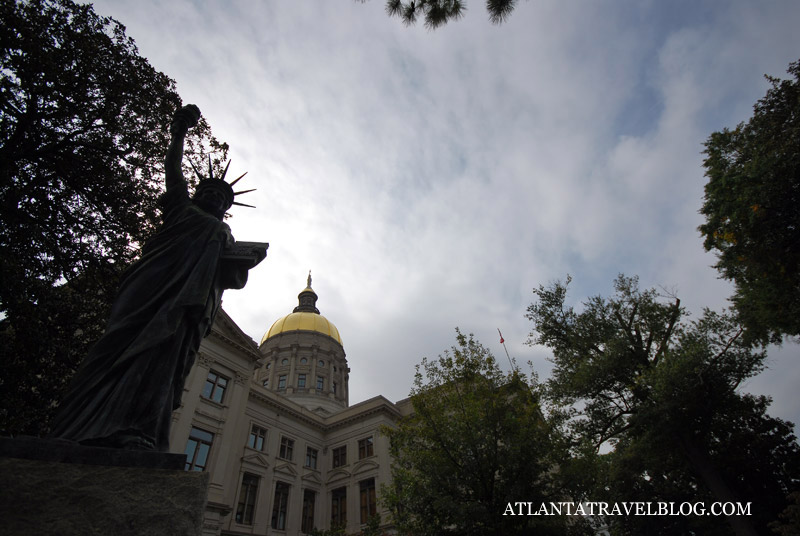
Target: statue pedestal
54	487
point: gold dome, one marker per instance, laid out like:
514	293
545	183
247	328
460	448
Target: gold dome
303	321
305	317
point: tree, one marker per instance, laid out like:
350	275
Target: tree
756	453
83	132
662	391
475	442
437	13
752	211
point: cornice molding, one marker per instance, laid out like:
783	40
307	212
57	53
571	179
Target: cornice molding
324	424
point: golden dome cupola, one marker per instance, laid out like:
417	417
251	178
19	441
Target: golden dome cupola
304	358
304	317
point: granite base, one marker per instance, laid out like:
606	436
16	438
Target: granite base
66	498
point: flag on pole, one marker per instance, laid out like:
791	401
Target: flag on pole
503	342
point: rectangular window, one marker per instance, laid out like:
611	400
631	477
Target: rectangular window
257	438
365	449
340	456
339	506
320	383
214	389
282	381
301	381
307	523
311	458
247	499
334	387
369	506
279	506
287	448
197	448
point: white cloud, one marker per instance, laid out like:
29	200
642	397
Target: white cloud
431	179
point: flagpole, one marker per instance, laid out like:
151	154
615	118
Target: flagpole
503	342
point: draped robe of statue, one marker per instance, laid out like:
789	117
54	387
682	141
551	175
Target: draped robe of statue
133	378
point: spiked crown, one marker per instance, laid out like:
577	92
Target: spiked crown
220	185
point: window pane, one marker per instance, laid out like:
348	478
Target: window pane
309	498
279	506
214	388
191	445
202	456
202	435
368	503
247	499
339	505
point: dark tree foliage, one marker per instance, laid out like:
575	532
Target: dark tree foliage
752	211
476	441
83	131
788	523
436	13
633	373
757	453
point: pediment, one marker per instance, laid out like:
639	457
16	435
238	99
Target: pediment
312	476
366	465
339	474
256	459
225	326
286	469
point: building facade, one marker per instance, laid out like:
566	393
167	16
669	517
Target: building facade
272	425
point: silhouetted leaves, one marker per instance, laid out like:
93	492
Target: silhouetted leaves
436	13
83	132
634	375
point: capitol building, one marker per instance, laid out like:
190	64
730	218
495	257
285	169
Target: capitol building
273	426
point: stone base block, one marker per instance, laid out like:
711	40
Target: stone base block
53	498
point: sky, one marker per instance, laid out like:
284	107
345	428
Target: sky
431	179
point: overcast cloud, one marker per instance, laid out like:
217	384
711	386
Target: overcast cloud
432	179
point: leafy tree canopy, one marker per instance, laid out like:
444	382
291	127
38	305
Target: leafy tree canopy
83	132
476	441
631	371
752	211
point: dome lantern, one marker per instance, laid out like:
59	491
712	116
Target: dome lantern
307	299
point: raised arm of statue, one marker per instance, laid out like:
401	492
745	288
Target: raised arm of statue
184	119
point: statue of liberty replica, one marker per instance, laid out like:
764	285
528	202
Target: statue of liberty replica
124	392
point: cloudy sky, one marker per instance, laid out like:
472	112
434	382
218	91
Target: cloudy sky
432	179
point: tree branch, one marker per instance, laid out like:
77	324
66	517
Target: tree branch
676	311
